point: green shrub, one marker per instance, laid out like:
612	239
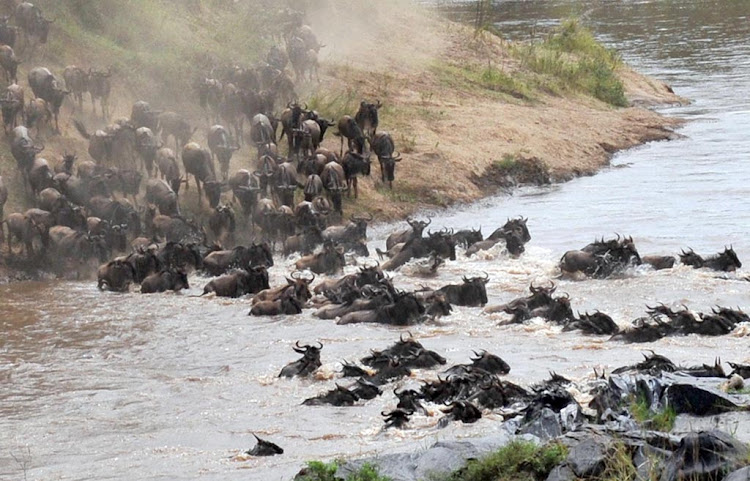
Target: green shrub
518	461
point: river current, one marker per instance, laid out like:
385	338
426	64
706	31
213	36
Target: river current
97	385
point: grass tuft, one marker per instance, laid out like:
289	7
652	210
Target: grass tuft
571	58
518	461
320	471
662	420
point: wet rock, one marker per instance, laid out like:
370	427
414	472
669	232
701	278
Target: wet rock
561	473
704	455
545	425
732	422
739	475
587	458
687	398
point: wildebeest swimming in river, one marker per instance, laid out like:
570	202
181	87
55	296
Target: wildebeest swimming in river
601	259
726	261
305	366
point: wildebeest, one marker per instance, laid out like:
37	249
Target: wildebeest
417	227
77	82
25	229
473	292
355	164
222	224
286	184
24	150
159	193
9	63
173	124
367	118
405	310
261	130
242	257
40	175
349	129
726	261
210	96
659	262
287	303
12	103
3	200
291	123
67	243
601	259
100	87
116	275
165	280
146	146
141	115
329	260
48	87
440	243
334	182
383	146
305	366
222	147
38	115
7	32
31	22
339	396
197	161
264	448
239	282
169	170
354	230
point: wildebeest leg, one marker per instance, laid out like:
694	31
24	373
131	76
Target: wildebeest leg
382	170
356	190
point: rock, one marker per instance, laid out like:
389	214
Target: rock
587	458
739	475
691	399
704	455
561	473
732	422
545	425
649	460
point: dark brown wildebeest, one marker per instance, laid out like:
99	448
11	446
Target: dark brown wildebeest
197	161
329	260
367	118
298	286
472	293
355	230
349	129
334	182
383	146
100	87
46	86
286	184
169	170
67	243
12	103
77	82
31	22
355	164
7	32
405	310
726	261
313	187
141	115
230	111
659	262
159	193
40	175
165	280
146	145
173	124
261	131
305	366
210	96
116	275
222	147
3	200
9	63
440	243
291	121
417	227
24	150
239	282
222	224
287	304
25	230
39	115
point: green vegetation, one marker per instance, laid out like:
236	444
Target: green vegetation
518	461
507	163
570	58
490	78
618	465
320	471
662	420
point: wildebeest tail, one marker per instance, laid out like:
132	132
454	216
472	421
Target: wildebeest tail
81	129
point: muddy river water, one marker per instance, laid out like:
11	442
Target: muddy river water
122	386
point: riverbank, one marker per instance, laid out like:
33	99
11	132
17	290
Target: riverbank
470	117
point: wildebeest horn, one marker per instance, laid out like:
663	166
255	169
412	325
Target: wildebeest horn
295	275
321	344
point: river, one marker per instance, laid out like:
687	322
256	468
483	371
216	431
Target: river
108	386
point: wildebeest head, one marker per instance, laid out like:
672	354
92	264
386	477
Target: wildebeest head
300	286
367	117
490	363
264	448
442	242
260	255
